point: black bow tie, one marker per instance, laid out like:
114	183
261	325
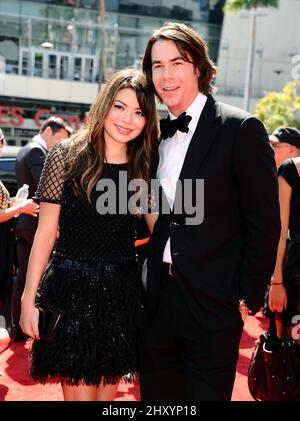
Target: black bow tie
169	127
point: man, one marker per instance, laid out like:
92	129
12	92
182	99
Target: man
29	165
202	279
286	143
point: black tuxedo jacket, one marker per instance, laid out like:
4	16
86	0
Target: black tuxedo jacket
232	253
29	165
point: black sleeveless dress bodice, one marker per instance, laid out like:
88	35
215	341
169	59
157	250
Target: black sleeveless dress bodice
84	233
92	278
289	172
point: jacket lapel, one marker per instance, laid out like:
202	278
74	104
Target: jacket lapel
207	127
162	196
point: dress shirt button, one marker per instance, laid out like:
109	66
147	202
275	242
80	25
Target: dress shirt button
173	224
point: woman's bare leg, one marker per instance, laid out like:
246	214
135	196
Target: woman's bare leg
79	393
279	328
107	392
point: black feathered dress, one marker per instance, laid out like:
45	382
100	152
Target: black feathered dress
92	278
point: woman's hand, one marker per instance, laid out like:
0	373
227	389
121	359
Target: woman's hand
30	208
277	298
27	206
29	320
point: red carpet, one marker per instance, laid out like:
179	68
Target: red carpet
15	385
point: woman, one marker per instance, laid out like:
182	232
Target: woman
92	275
284	292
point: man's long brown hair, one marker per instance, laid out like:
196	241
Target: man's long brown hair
86	152
191	47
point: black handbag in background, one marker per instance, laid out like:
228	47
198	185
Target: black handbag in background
274	370
49	322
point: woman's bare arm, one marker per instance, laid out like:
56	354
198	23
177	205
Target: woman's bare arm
42	247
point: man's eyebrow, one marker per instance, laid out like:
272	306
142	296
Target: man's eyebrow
172	60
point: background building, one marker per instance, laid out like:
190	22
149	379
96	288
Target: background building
54	56
276	55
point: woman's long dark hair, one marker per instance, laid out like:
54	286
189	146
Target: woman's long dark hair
86	152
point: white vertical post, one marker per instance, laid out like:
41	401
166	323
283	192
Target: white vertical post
30	55
249	63
102	43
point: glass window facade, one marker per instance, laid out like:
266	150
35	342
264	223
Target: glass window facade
206	10
34	35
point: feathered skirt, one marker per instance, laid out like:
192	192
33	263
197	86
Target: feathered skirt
97	338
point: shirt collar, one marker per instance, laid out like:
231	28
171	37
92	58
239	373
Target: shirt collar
194	110
38	138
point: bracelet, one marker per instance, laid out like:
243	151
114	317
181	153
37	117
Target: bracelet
276	283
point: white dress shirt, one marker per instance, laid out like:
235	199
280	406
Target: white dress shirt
172	152
38	138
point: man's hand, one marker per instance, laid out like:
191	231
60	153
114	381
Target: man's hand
244	310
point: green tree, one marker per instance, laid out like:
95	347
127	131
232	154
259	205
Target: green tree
233	6
280	108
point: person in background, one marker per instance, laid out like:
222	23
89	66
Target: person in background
206	274
29	165
285	144
92	276
284	291
9	208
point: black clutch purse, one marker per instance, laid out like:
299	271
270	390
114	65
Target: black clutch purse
49	322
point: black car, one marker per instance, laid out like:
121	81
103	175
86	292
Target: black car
7	168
